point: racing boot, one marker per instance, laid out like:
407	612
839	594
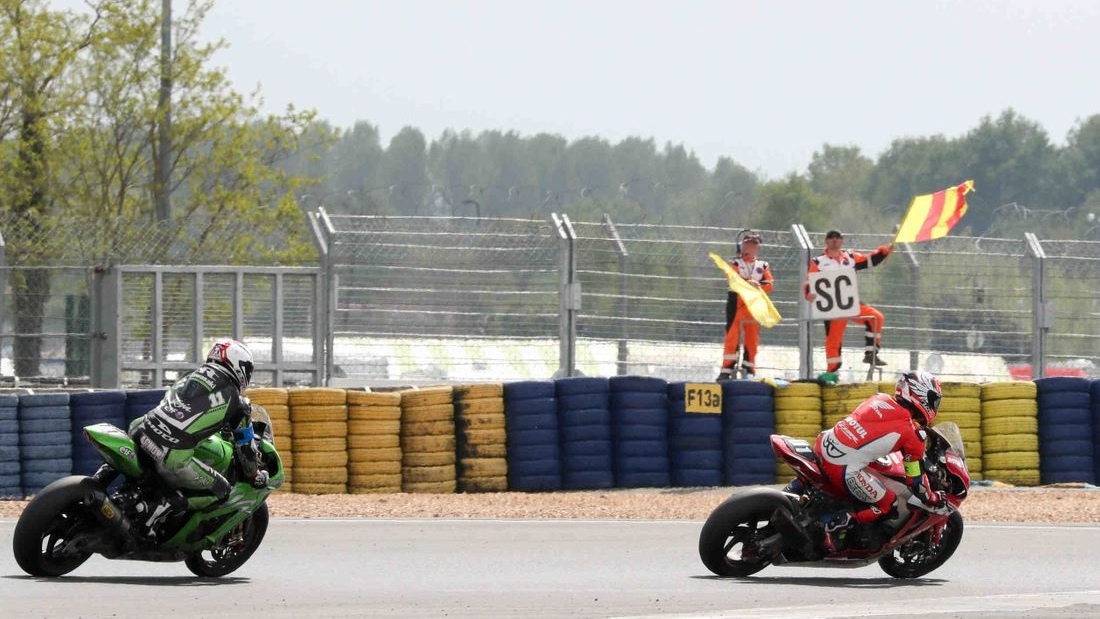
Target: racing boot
836	527
151	512
872	357
725	374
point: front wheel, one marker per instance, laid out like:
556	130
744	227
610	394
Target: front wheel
46	529
728	541
919	556
233	550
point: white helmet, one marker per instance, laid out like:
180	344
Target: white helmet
235	357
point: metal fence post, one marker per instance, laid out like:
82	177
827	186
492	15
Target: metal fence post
569	296
623	301
805	345
1042	312
914	275
107	290
321	227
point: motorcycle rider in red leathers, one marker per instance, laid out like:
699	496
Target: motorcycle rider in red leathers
878	426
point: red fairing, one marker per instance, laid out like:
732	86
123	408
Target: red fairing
802	463
957	467
892	465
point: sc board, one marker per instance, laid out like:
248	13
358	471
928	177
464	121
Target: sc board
837	293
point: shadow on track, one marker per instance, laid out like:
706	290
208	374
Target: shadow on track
156	581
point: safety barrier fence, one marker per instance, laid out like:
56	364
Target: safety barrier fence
575	433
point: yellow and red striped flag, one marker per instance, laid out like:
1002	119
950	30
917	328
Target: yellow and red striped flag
933	215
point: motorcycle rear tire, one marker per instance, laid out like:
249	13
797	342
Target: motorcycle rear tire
952	535
736	521
219	564
54	513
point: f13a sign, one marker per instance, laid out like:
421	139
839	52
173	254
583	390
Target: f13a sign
837	294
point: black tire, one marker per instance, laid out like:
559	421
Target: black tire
47	522
233	550
915	559
736	523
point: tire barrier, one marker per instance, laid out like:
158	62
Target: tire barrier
45	439
639	431
1010	432
584	426
319	420
1094	398
797	413
962	404
428	440
11	473
573	433
87	408
276	402
1066	448
694	442
747	423
139	402
481	450
374	442
531	428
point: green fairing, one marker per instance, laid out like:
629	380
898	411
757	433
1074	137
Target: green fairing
116	447
215	451
242	501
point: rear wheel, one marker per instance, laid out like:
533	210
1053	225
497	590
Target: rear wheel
46	528
729	539
920	556
233	550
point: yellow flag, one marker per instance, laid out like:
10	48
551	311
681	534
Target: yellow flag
760	306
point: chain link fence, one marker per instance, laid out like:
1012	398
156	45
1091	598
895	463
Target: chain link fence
425	299
471	299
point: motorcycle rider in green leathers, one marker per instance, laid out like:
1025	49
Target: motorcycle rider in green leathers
195	407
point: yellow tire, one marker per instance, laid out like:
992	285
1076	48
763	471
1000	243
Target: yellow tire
958	390
317	396
388	454
374	413
373	441
482	467
320	429
1009	390
480	407
797	403
798	417
314	445
488	436
320	475
428	458
427	474
320	488
377	467
994	409
267	396
429	396
374	428
314	413
806	431
1012	460
478	391
429	428
429	487
474	450
800	390
1002	443
1016	477
483	484
412	444
433	412
373	398
480	421
1009	425
320	459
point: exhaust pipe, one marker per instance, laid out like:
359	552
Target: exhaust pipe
105	510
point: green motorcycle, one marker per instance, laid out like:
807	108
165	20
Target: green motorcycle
75	517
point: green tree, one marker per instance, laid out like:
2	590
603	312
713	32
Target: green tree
790	201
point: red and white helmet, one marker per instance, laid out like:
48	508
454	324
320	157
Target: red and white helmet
921	393
235	357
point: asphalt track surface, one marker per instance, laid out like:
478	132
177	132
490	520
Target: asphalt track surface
562	568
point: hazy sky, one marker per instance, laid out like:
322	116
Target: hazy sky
764	82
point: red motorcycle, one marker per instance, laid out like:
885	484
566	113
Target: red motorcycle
762	526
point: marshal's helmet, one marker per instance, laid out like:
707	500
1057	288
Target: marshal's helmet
920	392
235	357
